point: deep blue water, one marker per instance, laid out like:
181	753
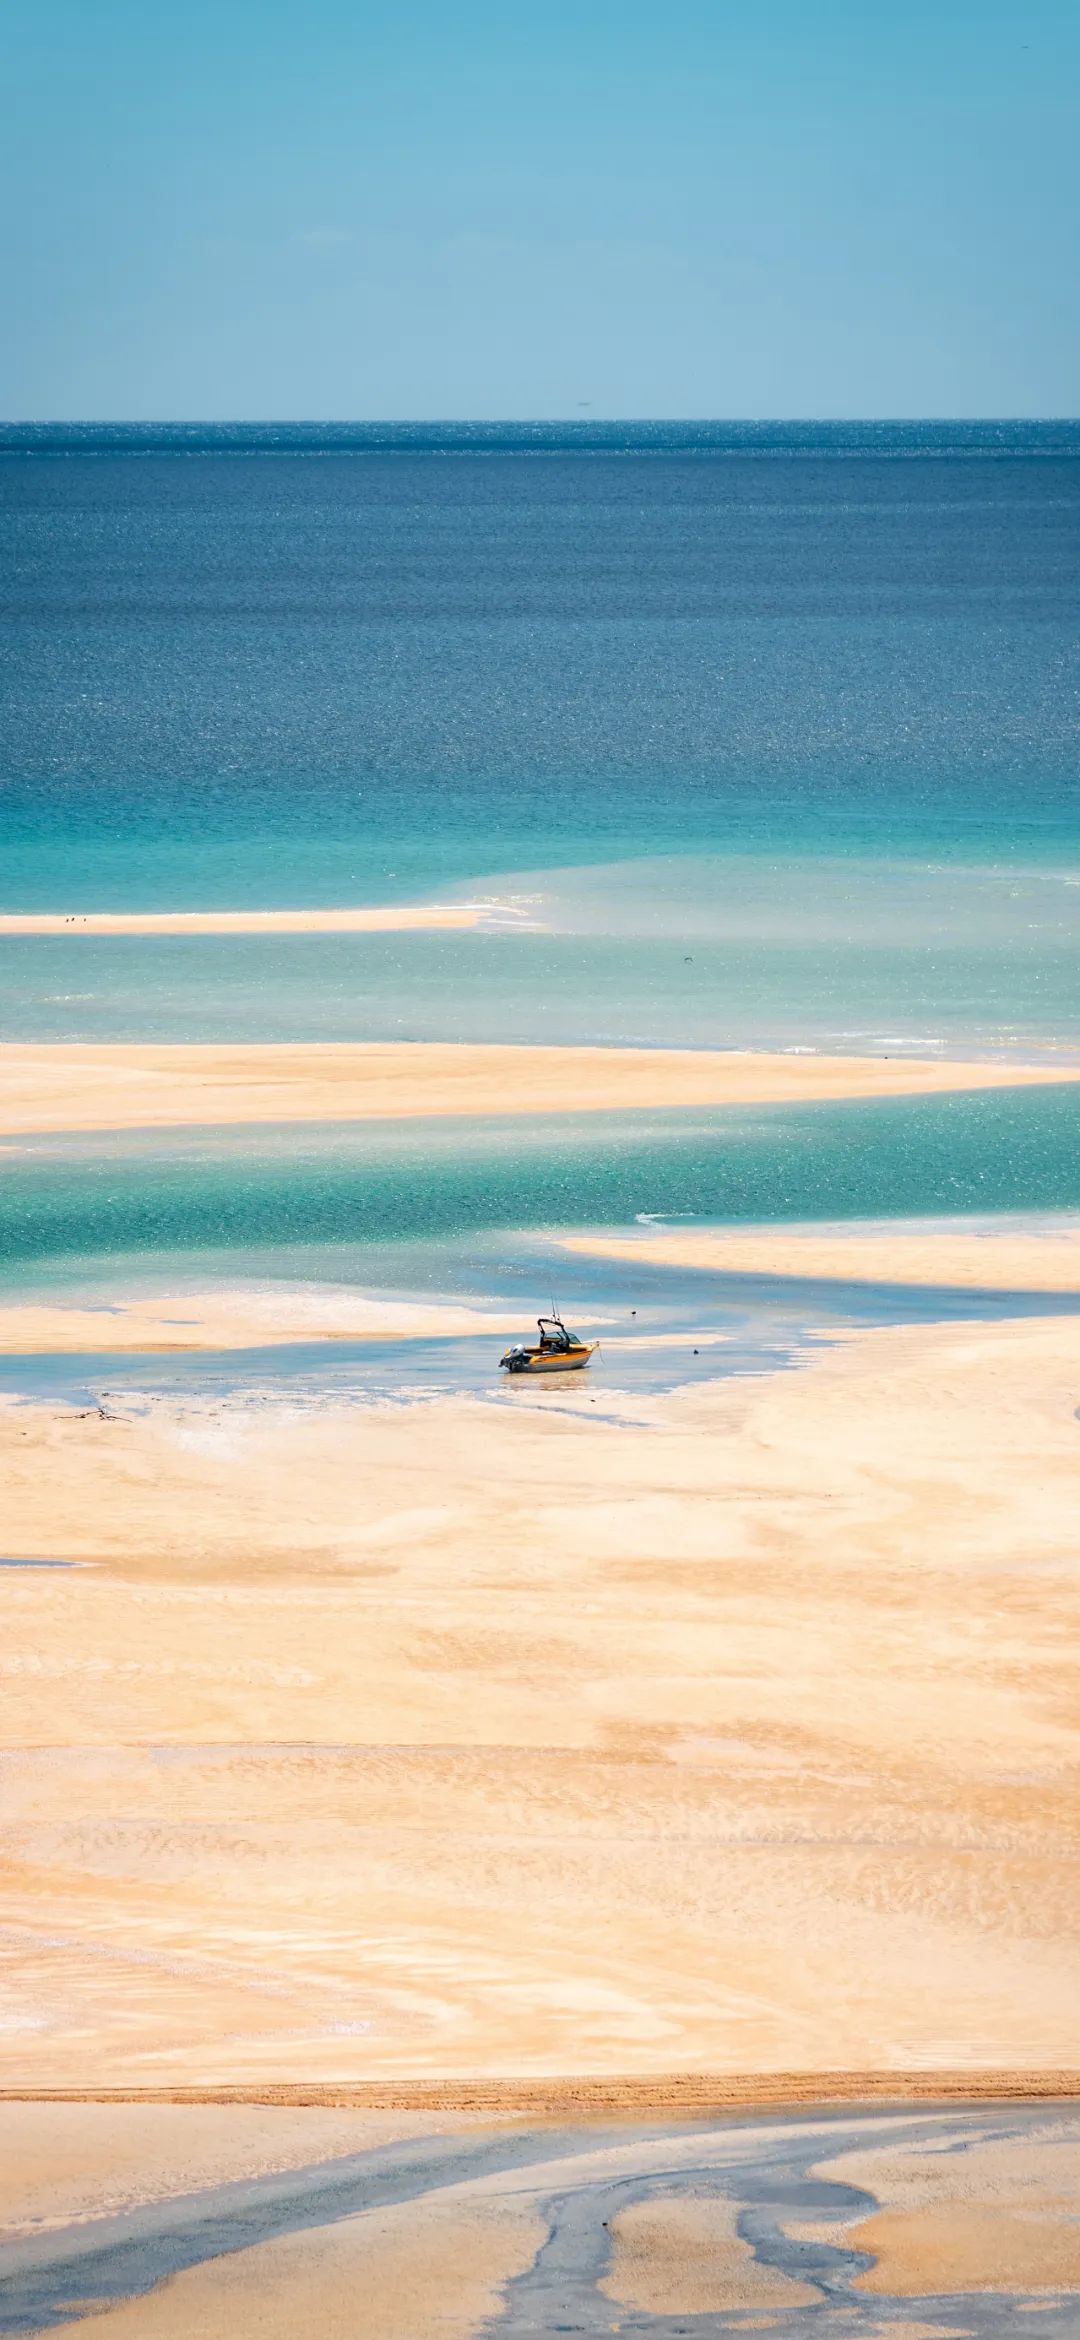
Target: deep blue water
359	664
1020	435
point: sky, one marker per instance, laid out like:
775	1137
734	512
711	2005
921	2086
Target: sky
257	209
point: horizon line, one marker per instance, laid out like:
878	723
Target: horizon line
574	421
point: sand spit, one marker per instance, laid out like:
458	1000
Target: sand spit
67	1085
476	1742
993	1260
384	918
256	1318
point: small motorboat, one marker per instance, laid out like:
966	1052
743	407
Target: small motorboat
556	1351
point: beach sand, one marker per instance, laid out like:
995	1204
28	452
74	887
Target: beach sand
737	1736
995	1259
65	1085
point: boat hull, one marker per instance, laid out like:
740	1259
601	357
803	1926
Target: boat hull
553	1361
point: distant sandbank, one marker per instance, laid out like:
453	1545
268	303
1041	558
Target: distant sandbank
382	918
991	1260
83	1085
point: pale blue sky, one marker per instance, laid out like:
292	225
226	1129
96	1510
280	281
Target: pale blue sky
261	209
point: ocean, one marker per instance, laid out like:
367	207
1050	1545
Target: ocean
244	668
757	735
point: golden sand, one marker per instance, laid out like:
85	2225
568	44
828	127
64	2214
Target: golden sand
68	1085
385	918
996	1259
738	1737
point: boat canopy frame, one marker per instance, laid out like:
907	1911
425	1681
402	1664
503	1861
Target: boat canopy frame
565	1341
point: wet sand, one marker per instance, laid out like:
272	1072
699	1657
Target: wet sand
65	1085
736	1736
970	2215
756	2225
64	2164
992	1259
243	1318
682	2254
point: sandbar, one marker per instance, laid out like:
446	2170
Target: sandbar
737	1737
68	1085
380	918
1046	1259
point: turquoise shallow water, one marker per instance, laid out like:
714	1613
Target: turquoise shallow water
830	952
362	1190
